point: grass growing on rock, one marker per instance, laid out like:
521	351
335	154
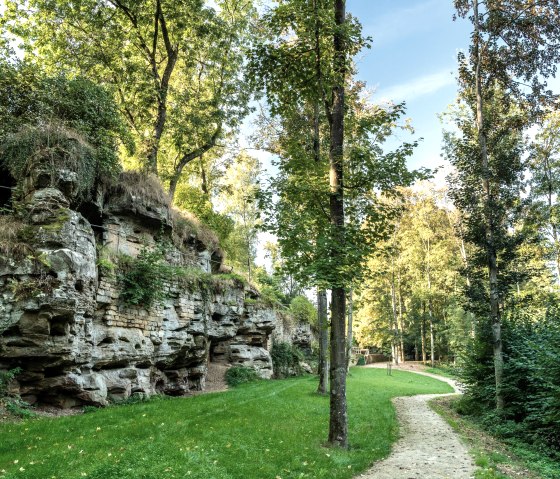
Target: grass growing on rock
267	429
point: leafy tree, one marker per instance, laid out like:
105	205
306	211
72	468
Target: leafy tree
323	212
513	45
544	166
238	198
175	67
303	310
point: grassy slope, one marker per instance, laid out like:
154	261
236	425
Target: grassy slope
272	429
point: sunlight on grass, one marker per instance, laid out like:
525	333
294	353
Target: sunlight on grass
269	429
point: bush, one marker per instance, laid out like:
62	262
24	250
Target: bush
142	279
531	381
286	360
58	121
361	360
237	375
6	377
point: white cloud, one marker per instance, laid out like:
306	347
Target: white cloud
418	87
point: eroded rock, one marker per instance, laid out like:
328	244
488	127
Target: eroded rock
63	321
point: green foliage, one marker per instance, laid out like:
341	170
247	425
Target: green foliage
531	381
19	408
286	360
142	279
303	310
361	360
14	405
58	121
237	375
6	377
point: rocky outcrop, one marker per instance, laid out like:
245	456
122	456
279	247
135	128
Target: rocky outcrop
63	320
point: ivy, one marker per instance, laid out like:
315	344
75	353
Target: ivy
286	360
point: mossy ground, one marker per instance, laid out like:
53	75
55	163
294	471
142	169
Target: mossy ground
268	429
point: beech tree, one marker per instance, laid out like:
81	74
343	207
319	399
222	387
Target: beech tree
514	45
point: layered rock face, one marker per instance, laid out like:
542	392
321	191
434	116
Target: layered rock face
63	320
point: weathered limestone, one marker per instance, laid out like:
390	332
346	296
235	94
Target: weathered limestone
63	322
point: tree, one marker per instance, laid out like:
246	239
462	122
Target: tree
324	213
241	187
513	45
175	67
544	166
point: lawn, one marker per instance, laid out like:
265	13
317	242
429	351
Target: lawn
268	429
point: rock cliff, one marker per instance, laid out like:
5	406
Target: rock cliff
63	317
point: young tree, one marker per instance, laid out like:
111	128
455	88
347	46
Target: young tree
544	166
514	45
324	213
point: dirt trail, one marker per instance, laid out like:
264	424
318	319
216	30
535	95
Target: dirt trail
428	448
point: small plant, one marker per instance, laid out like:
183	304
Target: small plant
19	408
361	360
143	278
106	267
237	375
33	287
286	360
6	377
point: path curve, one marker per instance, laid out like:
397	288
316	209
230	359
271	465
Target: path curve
428	447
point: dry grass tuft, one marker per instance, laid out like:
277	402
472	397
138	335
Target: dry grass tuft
144	185
187	226
11	243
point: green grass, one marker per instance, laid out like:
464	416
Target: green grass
443	370
494	458
268	429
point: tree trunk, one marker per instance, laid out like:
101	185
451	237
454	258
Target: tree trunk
338	424
394	326
190	156
349	330
432	342
492	262
423	332
323	341
401	320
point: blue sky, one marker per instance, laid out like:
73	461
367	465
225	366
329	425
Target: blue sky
413	59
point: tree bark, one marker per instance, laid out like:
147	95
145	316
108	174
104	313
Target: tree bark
395	324
349	334
495	316
323	341
338	424
423	332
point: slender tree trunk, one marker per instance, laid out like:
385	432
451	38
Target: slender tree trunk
401	320
394	326
349	329
432	343
552	222
338	424
203	178
495	317
323	341
423	332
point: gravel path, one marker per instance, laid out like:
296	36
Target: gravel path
428	448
